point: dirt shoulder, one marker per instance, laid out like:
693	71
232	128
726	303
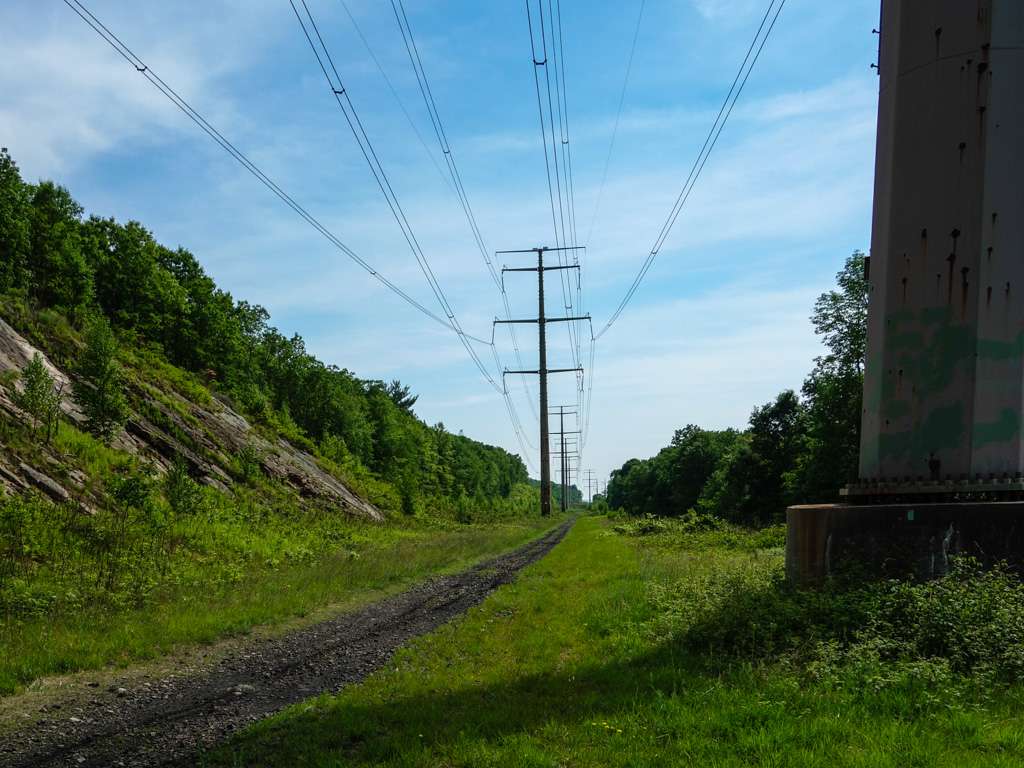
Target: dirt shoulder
142	719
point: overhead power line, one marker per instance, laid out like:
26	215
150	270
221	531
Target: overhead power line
738	83
562	101
559	199
442	137
125	52
394	94
456	178
142	68
618	116
128	55
344	102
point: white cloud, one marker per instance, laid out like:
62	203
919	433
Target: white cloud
69	96
707	360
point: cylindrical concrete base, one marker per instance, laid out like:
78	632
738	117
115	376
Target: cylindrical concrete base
899	540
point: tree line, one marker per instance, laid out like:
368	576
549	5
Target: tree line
798	448
100	273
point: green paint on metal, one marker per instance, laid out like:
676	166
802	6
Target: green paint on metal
906	340
895	409
935	316
1003	429
943	429
991	349
929	354
900	316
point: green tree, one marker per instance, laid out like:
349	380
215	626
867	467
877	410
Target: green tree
60	275
99	388
15	227
162	299
833	391
38	397
749	486
840	317
401	395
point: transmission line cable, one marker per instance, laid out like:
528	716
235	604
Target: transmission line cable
456	178
394	93
344	102
142	68
618	116
724	112
554	187
166	90
561	89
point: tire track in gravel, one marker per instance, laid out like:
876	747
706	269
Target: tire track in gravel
173	720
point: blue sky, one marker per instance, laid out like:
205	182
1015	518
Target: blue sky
719	326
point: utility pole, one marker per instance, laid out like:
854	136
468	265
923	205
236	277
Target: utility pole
590	482
565	463
542	369
570	461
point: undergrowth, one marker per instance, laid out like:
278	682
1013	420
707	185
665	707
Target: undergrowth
695	529
955	636
170	562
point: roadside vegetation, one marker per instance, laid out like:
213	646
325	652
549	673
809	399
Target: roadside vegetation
106	600
632	645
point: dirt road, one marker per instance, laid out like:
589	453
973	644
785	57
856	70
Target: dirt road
170	721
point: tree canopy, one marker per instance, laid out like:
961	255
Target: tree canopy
794	449
145	294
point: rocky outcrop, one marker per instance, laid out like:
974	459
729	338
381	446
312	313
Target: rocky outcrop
16	352
44	483
166	427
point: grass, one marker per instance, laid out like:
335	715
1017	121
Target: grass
610	652
365	561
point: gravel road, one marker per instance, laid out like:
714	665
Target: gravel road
170	721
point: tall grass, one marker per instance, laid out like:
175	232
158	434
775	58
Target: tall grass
168	561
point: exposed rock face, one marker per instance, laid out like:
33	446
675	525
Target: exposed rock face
167	427
44	483
16	352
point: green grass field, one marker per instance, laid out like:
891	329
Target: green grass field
620	650
368	561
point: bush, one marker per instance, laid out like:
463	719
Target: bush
183	494
37	397
699	530
249	463
969	623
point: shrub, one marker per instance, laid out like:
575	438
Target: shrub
100	388
967	623
183	494
37	397
249	463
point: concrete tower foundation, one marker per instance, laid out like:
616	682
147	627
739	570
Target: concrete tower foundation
944	375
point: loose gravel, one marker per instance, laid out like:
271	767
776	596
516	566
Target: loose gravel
170	721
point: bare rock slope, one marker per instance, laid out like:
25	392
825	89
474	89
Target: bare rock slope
164	426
